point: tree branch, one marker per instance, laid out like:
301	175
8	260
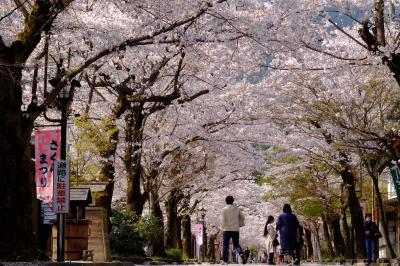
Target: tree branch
330	54
17	2
127	43
194	96
345	33
22	7
137	40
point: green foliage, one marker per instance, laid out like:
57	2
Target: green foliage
302	189
278	149
130	233
264	147
93	141
149	228
275	183
253	249
324	251
185	256
270	195
309	207
174	254
261	180
95	137
288	159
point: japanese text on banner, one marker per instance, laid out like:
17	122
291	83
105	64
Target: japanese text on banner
61	186
199	233
47	150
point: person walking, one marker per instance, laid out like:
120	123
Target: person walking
371	238
231	220
270	243
287	226
247	253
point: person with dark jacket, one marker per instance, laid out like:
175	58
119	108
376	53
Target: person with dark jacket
371	238
287	226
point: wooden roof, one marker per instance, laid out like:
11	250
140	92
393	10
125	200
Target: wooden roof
94	186
81	195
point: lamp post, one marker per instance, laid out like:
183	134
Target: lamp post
203	215
64	98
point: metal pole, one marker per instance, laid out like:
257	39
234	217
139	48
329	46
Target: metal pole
203	250
61	216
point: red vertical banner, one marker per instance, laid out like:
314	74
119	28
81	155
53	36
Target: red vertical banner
198	228
47	150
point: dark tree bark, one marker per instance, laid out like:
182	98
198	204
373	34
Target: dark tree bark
205	241
352	243
379	22
317	238
346	230
179	231
310	249
357	219
327	237
17	190
134	136
186	235
337	237
349	179
171	207
211	247
158	243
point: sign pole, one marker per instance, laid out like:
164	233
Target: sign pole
61	216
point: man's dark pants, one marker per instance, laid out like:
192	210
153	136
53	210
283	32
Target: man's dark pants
370	244
235	239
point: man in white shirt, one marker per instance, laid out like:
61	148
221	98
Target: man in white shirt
232	219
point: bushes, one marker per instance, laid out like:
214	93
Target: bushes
130	233
174	254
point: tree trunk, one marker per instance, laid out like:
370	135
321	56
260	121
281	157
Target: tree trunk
134	137
186	235
317	253
171	207
357	219
17	190
337	237
107	168
383	216
327	237
179	231
352	242
211	247
379	22
310	250
205	240
158	243
346	230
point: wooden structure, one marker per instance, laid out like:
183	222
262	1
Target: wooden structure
98	242
98	239
86	226
77	227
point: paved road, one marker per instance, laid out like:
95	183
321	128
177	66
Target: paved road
132	264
